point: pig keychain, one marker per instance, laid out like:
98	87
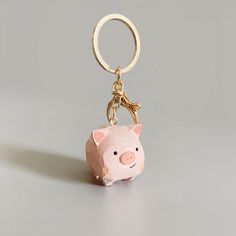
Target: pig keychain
114	152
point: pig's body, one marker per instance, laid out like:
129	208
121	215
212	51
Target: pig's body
115	153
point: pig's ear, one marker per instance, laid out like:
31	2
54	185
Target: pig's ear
137	128
98	136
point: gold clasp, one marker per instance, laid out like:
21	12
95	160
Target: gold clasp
120	99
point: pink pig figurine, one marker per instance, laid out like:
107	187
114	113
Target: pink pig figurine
115	153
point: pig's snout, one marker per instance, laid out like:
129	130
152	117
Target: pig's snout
127	158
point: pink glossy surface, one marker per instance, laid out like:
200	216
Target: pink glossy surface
115	153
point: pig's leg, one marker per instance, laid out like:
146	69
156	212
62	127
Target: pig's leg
107	182
129	179
94	174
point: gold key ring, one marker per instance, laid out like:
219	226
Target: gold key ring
96	50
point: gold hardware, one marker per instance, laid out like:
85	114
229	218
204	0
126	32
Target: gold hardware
120	99
96	50
119	96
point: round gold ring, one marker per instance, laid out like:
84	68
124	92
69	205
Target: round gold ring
96	50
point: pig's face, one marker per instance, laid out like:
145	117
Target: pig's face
120	151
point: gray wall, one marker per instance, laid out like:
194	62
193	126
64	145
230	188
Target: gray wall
53	93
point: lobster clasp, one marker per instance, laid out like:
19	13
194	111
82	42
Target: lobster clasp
120	99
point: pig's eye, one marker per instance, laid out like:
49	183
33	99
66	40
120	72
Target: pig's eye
115	153
136	149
